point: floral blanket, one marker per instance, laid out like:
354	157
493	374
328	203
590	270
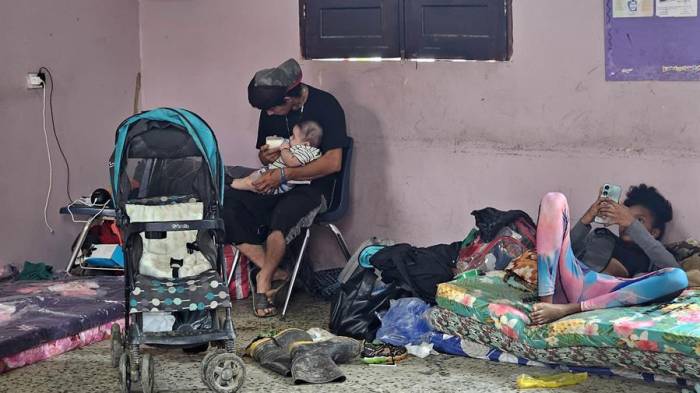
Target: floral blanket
672	328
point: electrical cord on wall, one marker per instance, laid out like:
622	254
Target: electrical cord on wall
48	154
53	126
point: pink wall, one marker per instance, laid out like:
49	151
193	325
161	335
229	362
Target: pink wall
436	140
433	140
92	49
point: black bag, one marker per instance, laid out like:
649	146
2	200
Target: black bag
490	221
361	297
419	270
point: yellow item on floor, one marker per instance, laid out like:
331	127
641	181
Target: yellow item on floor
525	381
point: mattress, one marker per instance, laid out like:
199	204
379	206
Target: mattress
454	345
39	319
663	339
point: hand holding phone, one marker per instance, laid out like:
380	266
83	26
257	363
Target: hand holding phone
610	192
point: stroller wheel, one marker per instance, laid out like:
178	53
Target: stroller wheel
205	362
124	373
117	344
224	372
148	377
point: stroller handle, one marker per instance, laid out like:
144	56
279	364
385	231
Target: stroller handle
171	226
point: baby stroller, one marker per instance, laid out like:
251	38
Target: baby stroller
167	180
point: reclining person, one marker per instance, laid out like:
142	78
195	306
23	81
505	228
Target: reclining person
254	219
299	150
567	286
642	223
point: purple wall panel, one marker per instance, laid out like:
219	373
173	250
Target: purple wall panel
651	48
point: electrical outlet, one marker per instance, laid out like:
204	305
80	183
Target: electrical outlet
34	81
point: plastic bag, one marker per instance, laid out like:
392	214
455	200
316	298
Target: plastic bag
421	350
405	323
525	381
355	310
318	334
158	321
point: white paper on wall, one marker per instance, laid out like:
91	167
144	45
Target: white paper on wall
676	8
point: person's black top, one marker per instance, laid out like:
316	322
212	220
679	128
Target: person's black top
631	256
320	107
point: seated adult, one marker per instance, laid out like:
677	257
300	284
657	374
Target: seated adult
567	286
254	219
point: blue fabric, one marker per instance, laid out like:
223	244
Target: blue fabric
366	255
202	135
454	345
117	259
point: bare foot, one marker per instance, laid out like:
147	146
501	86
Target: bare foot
546	312
280	282
245	184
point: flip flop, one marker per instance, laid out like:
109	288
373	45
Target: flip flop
260	302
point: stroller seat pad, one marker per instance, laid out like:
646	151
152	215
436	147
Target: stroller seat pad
157	254
195	293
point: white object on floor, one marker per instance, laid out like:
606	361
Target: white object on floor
318	334
158	321
422	350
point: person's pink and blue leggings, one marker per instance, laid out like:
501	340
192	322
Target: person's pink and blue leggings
561	275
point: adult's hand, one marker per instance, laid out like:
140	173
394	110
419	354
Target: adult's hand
269	181
268	155
616	213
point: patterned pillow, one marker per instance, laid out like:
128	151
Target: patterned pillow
684	250
524	270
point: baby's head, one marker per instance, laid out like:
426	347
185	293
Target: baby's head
308	132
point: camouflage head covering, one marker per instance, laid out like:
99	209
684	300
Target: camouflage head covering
269	86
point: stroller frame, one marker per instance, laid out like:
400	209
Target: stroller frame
221	369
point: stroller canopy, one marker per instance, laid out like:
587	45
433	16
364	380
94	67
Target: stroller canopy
203	143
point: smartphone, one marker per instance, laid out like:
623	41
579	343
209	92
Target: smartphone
612	192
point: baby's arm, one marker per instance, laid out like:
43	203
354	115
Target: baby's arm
289	159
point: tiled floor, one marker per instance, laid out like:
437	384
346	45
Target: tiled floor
88	369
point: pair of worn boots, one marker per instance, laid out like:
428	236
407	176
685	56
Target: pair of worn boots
292	352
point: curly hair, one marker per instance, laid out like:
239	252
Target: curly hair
650	198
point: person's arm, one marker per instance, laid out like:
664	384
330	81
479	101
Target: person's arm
289	159
583	227
265	154
329	163
268	156
659	256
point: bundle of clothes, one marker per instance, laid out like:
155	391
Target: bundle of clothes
382	270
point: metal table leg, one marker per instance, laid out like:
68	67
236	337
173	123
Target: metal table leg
79	244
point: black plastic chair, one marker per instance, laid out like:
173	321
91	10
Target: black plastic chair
337	207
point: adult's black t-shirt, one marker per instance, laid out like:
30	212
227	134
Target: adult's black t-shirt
325	110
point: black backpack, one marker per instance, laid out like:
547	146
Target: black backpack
419	270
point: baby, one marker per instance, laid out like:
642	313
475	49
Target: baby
301	149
